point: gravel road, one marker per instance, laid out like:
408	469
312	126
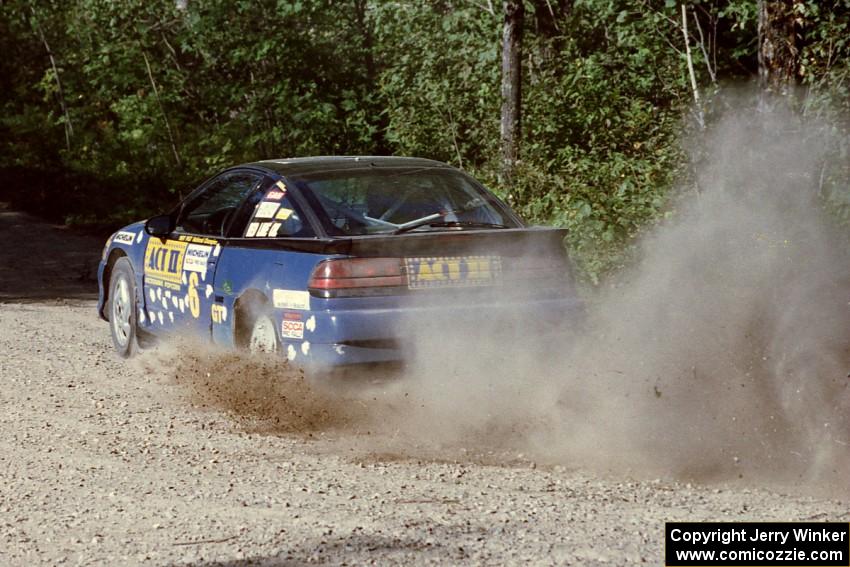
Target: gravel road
108	462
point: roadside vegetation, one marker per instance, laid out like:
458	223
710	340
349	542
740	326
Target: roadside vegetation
110	109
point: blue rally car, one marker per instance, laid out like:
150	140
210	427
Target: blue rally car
322	259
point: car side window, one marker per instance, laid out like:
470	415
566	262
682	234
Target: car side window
276	215
210	212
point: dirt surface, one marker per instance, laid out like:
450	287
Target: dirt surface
42	262
111	462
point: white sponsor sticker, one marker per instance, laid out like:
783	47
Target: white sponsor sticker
124	237
305	348
311	323
265	230
252	229
195	259
291	299
291	352
266	210
292	329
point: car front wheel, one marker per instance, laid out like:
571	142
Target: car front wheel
122	308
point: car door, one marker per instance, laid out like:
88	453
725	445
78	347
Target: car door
179	270
252	264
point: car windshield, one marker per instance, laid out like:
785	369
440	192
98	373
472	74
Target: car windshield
393	200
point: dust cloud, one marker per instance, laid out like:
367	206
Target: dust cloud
722	354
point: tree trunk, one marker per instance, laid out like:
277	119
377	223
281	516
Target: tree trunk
778	55
511	88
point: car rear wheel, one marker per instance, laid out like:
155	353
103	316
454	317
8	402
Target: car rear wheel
263	337
122	308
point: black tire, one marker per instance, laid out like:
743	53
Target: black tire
123	309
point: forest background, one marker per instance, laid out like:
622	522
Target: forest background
585	114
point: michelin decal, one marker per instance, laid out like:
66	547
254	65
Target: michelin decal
125	237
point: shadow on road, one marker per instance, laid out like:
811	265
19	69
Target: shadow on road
420	545
42	261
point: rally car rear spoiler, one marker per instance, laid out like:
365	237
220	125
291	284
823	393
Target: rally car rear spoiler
511	242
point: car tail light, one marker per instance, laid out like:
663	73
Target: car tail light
358	276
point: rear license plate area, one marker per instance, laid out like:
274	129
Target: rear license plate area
458	271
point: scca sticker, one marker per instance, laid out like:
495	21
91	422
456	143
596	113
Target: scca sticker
164	260
292	329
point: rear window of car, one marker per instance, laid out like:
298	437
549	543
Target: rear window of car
381	200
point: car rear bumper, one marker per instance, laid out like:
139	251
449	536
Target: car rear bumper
349	337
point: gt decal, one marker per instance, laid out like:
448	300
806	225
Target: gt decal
164	261
218	313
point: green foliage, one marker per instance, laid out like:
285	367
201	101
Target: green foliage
157	98
440	86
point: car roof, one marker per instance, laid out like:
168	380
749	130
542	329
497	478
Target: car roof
308	165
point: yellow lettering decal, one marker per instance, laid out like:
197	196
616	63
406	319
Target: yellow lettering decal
194	298
217	312
164	260
197	239
426	274
454	270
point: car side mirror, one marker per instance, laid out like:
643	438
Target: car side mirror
160	225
